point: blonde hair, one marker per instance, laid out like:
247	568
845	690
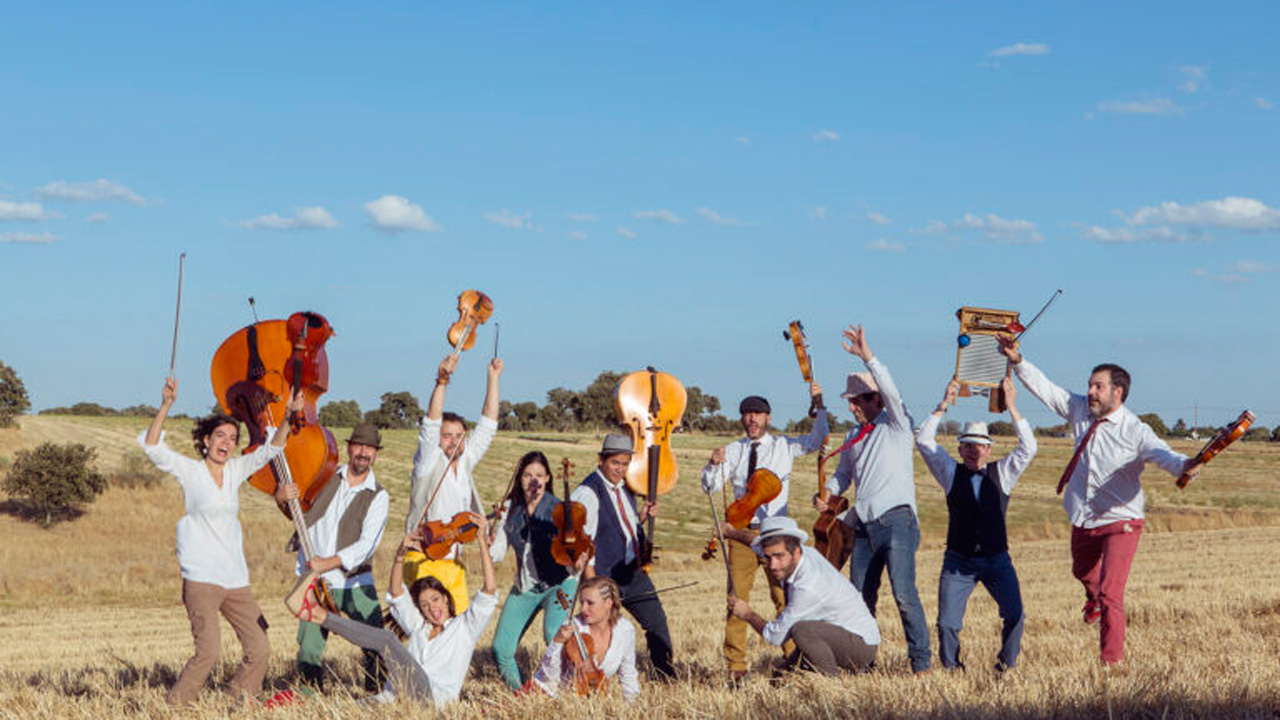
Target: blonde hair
607	589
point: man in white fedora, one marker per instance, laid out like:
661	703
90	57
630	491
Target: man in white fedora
824	614
977	493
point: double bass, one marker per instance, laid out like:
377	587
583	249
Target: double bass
650	404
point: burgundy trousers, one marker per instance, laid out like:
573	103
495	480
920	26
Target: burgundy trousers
1100	560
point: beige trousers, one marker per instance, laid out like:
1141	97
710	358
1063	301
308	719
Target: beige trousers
203	602
743	563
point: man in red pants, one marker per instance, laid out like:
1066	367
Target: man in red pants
1103	497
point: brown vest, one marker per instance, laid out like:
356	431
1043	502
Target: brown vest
351	522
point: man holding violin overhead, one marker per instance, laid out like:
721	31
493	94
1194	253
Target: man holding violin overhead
877	459
345	523
442	485
735	463
615	525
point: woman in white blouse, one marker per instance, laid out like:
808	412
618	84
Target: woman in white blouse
215	577
614	642
436	662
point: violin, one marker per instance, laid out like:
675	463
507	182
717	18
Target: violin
795	333
580	654
828	531
650	404
474	309
1225	437
571	541
762	486
439	536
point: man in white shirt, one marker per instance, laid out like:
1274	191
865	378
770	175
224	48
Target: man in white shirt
977	493
442	484
344	524
877	459
1103	498
824	615
734	463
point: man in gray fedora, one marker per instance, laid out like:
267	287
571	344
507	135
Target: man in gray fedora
345	524
977	492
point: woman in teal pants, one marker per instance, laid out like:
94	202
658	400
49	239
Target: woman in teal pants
528	530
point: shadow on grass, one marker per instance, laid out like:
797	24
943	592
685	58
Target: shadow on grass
23	510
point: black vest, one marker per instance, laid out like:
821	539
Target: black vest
611	536
539	529
976	526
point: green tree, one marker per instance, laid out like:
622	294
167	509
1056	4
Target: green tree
13	395
1157	425
146	411
1001	427
340	413
595	404
398	411
1256	433
55	480
526	414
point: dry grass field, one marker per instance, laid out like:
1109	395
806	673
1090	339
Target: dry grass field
91	623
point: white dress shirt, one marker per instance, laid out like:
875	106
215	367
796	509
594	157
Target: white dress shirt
1105	486
446	658
816	591
457	492
210	539
879	465
590	503
619	661
324	533
775	453
1010	467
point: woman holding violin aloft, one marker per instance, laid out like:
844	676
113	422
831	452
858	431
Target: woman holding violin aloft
529	530
435	663
610	645
210	543
735	463
442	485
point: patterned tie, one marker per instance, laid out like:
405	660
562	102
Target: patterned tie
751	459
622	515
1075	459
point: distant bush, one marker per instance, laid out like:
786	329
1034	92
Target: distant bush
1255	433
1002	427
340	413
136	471
1053	431
55	481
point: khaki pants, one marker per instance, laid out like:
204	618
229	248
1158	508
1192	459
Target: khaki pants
743	563
450	573
203	602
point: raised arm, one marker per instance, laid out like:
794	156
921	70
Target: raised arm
491	397
281	436
1015	463
490	578
1054	397
940	464
435	406
168	394
855	343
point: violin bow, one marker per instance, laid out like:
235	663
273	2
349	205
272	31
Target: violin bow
177	317
724	549
497	326
1052	297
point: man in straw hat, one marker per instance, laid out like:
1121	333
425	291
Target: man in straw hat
615	524
877	458
824	614
734	464
345	524
977	493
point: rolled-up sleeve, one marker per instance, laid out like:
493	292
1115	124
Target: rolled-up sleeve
940	464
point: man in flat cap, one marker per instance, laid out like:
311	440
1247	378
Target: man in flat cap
824	617
616	526
345	524
876	458
734	464
977	493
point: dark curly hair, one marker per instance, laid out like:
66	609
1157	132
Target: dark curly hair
428	582
205	426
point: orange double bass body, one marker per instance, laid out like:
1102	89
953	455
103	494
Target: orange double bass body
253	374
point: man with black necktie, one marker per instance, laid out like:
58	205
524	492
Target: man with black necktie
734	463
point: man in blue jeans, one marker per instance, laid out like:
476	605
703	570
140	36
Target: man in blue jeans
977	493
876	459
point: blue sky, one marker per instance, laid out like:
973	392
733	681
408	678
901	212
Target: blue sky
644	183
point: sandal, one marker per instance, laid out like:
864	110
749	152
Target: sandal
301	600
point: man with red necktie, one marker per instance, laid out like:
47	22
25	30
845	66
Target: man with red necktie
1103	493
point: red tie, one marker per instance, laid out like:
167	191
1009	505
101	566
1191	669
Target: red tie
622	515
1075	459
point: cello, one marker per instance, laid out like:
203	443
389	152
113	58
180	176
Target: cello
650	404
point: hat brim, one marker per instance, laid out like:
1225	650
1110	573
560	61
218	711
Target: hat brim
974	440
760	540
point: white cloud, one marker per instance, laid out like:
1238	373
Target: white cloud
582	217
508	219
1263	104
1252	267
1192	77
1232	279
29	237
577	235
823	136
24	211
304	218
885	245
1233	213
626	232
714	217
818	213
1018	232
932	227
662	216
878	219
1155	106
1020	49
97	218
1122	235
100	190
742	140
393	213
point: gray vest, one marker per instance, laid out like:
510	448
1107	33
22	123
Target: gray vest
351	522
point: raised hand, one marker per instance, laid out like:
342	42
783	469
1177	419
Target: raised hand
855	342
717	456
1009	348
445	371
495	367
